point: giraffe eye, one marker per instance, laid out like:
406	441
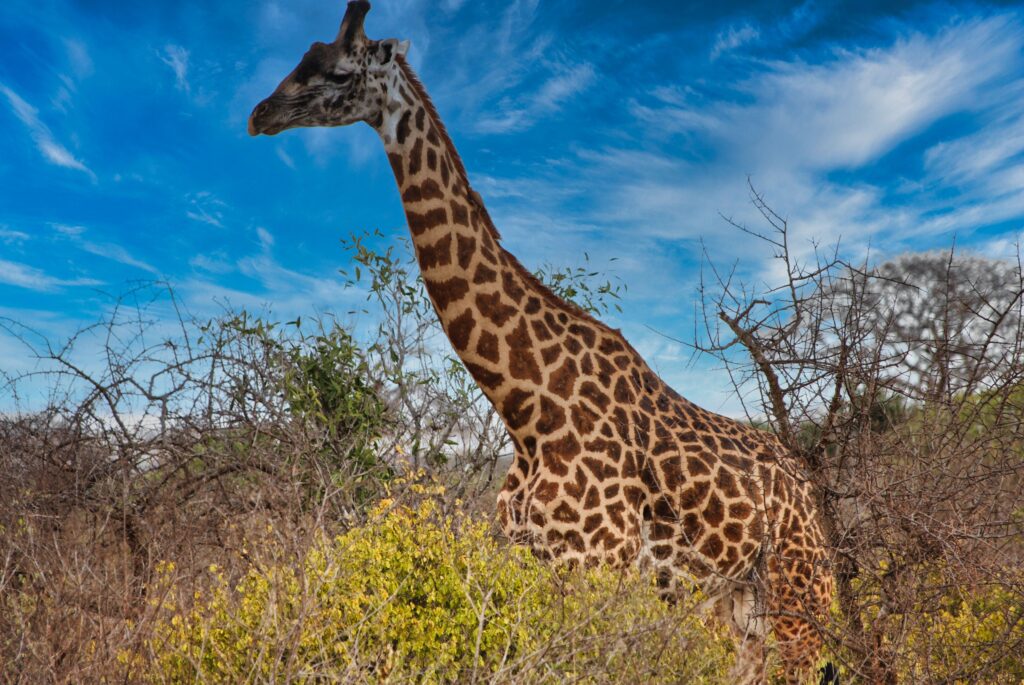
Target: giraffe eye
338	78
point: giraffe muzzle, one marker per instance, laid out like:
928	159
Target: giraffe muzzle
262	120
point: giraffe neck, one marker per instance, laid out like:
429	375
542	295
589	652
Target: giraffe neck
487	302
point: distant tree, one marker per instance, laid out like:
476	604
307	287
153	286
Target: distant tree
947	320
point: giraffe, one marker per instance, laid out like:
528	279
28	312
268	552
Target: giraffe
611	465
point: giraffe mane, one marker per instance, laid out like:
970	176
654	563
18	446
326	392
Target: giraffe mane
549	296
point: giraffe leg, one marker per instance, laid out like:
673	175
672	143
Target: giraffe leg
737	608
799	594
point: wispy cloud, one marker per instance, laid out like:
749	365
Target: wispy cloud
25	276
205	208
107	250
52	151
266	238
521	112
733	37
78	58
981	156
176	57
9	236
802	130
285	158
291	292
215	264
800	122
504	74
850	110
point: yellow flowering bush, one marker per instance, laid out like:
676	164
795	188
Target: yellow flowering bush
970	632
415	595
949	631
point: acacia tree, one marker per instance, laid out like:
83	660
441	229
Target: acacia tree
899	386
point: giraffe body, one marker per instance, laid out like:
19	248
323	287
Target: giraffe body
611	465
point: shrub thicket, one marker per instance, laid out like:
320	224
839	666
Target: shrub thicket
418	596
205	505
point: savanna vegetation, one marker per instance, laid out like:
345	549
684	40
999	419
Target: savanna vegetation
246	500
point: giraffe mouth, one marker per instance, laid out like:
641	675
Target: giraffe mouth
262	120
271	130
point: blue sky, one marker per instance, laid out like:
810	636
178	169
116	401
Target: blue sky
623	129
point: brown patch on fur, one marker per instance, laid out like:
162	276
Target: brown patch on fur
438	254
558	453
493	308
421	223
447	292
466	247
396	161
552	416
521	362
563	379
416	158
460	328
540	330
460	215
487	346
484	274
485	377
512	287
517	409
430	189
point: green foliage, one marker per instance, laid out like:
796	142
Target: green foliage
419	596
590	290
323	378
326	382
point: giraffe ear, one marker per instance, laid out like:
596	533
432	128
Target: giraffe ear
392	46
351	30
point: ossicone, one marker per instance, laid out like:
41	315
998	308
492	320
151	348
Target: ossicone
351	30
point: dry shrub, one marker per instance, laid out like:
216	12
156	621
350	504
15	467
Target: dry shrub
901	388
162	440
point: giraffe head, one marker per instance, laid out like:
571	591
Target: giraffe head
335	84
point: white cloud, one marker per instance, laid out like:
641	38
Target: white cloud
290	292
799	123
521	113
117	253
215	264
78	58
176	57
9	236
25	276
285	158
791	127
206	209
849	111
266	239
734	37
111	251
973	158
52	151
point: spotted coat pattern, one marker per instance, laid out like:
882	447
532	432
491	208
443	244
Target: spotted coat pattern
611	465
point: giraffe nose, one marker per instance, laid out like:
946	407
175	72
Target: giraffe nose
259	111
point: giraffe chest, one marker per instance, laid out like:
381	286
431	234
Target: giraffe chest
574	520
